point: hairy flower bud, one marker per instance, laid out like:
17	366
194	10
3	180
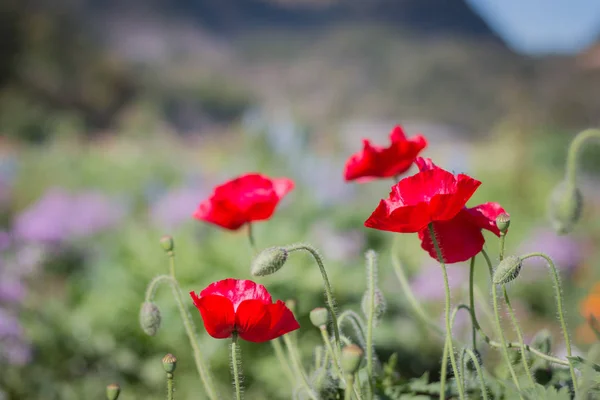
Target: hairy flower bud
269	261
566	204
352	355
319	317
112	391
507	270
503	222
169	363
167	243
150	318
380	304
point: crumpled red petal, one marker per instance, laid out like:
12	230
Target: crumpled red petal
238	290
217	313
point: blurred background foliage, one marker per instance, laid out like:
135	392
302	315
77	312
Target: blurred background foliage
116	120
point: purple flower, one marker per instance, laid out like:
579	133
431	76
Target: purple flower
14	348
12	289
428	284
176	207
565	251
61	216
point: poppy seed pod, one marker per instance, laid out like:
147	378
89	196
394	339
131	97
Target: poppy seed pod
269	261
507	270
150	318
380	304
566	204
352	355
167	243
169	363
319	317
503	222
112	391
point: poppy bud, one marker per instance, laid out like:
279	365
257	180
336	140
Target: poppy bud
566	203
507	270
112	391
503	222
319	317
269	261
352	355
380	304
167	243
169	363
150	318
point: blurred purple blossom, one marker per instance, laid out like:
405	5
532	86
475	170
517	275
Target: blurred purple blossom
428	284
176	207
61	216
565	251
14	348
338	245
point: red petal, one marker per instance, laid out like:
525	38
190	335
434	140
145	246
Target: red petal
404	219
484	216
257	322
452	200
220	212
238	290
425	164
459	238
253	321
282	186
282	320
217	314
397	134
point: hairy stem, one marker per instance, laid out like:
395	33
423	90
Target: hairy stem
472	301
287	370
574	149
372	275
560	307
236	366
297	365
449	343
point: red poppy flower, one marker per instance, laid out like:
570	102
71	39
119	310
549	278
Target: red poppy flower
384	162
460	238
245	307
431	195
250	197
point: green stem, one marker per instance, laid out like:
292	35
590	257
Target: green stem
298	366
420	313
287	370
574	149
484	392
236	366
472	301
515	323
328	290
371	268
455	370
444	371
357	325
500	331
348	392
335	360
190	330
251	236
502	240
170	387
559	306
154	284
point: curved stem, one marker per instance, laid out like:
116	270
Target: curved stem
236	366
559	306
515	323
574	149
426	320
154	284
190	330
328	290
500	331
455	370
287	370
357	325
298	366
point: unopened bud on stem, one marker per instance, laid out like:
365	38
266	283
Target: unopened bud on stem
507	270
150	318
319	317
169	363
352	355
167	243
566	204
269	261
112	391
503	222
